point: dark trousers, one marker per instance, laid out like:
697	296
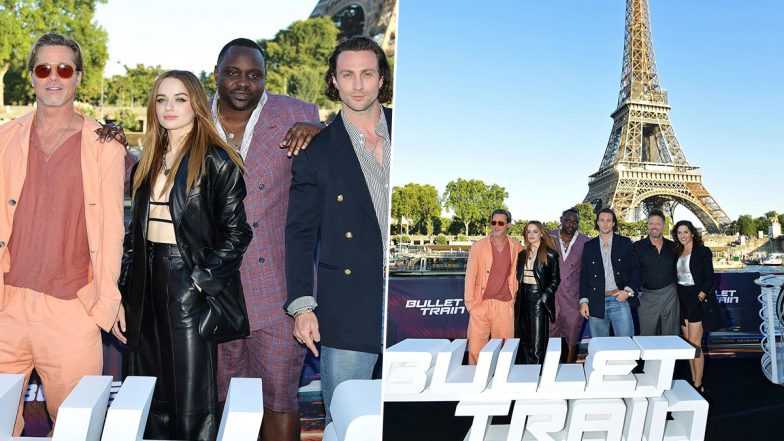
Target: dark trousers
184	404
531	325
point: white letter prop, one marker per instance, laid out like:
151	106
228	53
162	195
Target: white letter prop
451	376
689	413
660	353
243	411
610	362
510	377
10	392
356	412
128	413
565	378
596	416
538	418
82	413
482	413
636	409
407	365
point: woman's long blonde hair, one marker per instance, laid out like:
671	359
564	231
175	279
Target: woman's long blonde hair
198	141
546	243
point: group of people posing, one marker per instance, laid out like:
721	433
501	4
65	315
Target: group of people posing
547	286
232	222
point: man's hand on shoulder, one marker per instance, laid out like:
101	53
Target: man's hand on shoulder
111	131
299	136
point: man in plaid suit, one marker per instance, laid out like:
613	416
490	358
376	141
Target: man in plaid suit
255	121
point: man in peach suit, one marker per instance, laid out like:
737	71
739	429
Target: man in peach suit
61	230
490	285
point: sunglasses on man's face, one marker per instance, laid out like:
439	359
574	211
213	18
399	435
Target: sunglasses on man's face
43	71
499	223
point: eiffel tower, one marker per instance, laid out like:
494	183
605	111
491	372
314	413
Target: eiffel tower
643	165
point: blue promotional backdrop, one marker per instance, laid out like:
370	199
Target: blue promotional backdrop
433	307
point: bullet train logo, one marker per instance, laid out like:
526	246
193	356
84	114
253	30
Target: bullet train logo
602	397
438	307
727	296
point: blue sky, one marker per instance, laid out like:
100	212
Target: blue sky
519	93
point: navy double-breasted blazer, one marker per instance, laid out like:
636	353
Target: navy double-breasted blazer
592	271
331	216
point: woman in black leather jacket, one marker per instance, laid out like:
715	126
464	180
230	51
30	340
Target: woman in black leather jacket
183	248
539	276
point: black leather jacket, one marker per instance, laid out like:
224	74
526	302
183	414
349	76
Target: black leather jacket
548	277
209	225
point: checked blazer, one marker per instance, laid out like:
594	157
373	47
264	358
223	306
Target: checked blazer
267	180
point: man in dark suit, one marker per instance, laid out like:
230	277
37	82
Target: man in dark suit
653	261
605	279
339	212
255	121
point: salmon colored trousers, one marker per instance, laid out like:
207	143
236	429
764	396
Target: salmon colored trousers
489	319
54	336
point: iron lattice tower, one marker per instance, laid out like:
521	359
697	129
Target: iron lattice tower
643	164
374	18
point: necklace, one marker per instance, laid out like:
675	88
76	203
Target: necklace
229	133
56	144
166	169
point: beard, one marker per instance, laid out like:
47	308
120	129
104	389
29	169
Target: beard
239	105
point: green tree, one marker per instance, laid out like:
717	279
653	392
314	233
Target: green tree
517	228
761	224
297	57
441	225
23	21
587	219
402	205
552	225
472	201
419	204
208	82
746	226
129	121
134	87
633	229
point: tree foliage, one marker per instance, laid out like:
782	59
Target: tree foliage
133	88
418	204
551	225
472	201
208	82
746	225
23	21
297	59
587	219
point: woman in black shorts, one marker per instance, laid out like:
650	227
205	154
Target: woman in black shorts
695	284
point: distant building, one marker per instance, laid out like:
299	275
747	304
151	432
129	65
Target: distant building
774	230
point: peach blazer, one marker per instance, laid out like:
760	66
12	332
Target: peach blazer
478	270
103	170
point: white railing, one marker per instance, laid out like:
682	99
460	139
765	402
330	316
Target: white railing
771	328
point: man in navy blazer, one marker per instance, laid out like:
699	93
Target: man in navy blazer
339	212
606	279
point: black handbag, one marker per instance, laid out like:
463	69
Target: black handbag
225	318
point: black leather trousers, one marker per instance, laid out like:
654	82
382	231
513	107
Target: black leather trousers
531	325
184	404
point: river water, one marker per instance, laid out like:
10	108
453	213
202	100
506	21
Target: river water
757	269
